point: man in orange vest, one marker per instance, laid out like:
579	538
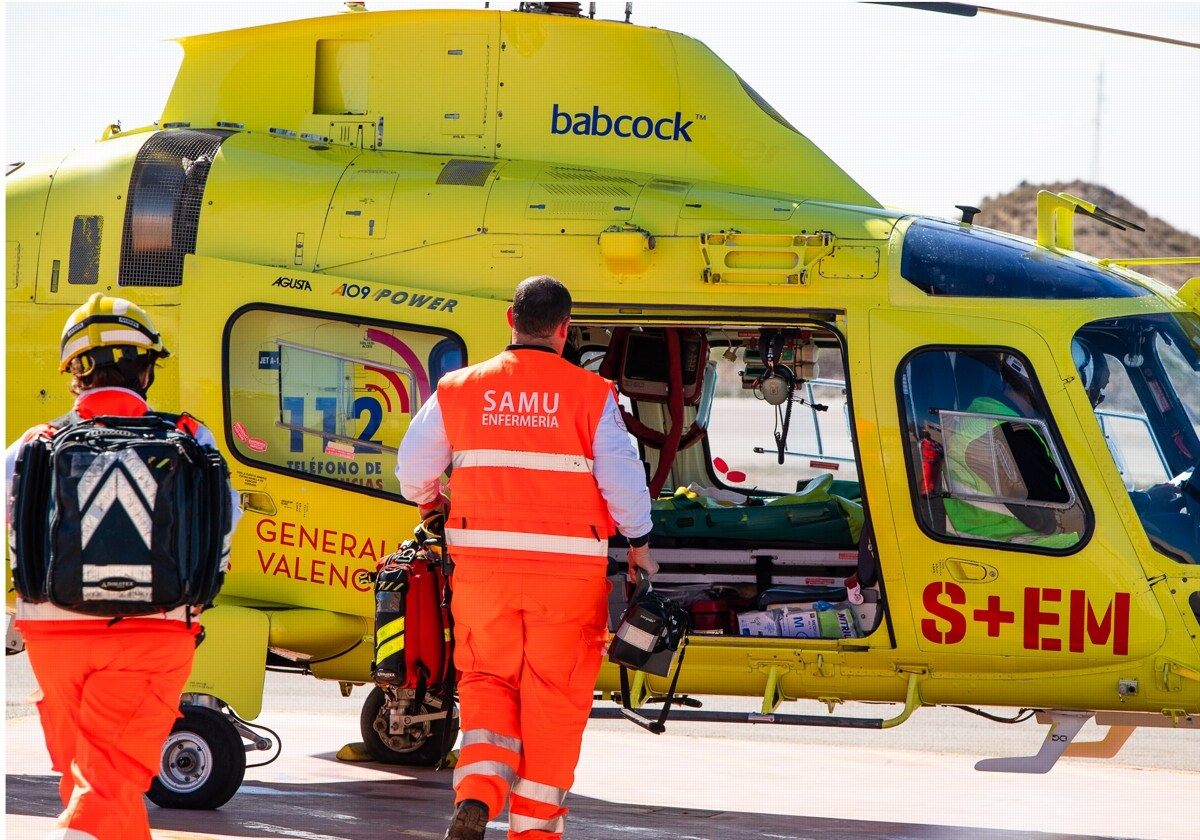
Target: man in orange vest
543	471
110	687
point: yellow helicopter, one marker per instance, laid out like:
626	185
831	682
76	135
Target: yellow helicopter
894	458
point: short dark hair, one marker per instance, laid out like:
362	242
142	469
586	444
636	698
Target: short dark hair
540	304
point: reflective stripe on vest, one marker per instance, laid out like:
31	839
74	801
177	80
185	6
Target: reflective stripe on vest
523	541
519	822
538	792
523	460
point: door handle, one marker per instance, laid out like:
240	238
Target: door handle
968	571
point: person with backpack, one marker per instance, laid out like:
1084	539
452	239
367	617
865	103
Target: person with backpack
110	669
543	472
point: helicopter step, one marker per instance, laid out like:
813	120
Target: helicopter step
1065	726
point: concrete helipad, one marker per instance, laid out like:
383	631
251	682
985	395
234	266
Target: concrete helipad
693	783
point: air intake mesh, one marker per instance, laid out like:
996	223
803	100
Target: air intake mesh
466	173
166	190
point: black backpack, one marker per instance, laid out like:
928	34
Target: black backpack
119	516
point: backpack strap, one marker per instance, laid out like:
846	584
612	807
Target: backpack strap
49	430
71	418
183	422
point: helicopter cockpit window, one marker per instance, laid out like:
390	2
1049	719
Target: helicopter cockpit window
962	261
1142	376
326	398
984	462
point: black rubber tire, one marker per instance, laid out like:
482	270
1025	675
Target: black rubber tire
426	749
203	762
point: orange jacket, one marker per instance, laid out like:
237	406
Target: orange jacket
521	427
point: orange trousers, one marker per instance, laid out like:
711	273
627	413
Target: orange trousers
109	700
529	648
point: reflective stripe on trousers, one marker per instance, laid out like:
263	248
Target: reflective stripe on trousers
539	792
532	806
484	768
487	753
519	823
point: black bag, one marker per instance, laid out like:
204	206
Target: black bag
119	516
650	632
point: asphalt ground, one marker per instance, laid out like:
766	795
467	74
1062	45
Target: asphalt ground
696	782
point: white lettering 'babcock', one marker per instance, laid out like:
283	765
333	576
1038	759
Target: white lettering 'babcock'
534	409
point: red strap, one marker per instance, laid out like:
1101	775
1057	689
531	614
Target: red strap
670	444
37	431
187	423
424	628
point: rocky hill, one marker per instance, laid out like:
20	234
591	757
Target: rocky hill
1016	212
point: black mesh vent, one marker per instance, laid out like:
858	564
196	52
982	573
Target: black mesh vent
667	185
166	190
466	173
570	173
84	267
574	189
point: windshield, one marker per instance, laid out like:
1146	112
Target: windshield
1142	375
963	261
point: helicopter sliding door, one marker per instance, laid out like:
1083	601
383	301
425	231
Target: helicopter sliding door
1004	526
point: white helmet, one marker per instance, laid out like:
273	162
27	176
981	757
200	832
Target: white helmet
107	328
1093	369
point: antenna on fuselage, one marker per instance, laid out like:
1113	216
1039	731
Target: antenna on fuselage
968	213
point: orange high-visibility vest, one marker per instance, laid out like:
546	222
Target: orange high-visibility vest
521	486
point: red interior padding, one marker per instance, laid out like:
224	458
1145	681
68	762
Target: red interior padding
676	439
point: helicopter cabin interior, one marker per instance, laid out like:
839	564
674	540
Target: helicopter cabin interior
747	438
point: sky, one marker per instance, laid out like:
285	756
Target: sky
925	110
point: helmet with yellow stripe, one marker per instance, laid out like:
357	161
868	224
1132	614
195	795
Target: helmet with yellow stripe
106	330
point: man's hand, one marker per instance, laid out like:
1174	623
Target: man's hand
639	558
439	505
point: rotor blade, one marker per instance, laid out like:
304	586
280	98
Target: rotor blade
944	8
965	10
1103	215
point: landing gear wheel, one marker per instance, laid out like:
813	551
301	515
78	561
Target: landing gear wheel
419	745
203	762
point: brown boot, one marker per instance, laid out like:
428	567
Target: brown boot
470	820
